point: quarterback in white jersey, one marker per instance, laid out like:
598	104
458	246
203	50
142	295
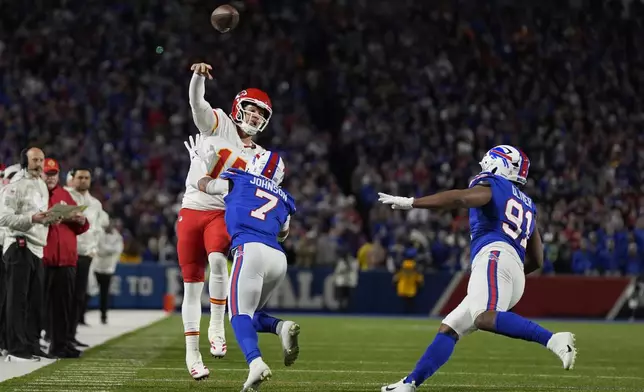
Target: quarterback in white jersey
201	230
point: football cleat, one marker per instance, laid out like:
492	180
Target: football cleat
400	386
218	347
257	374
289	337
563	345
197	369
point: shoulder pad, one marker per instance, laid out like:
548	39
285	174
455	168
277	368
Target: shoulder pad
237	171
482	178
226	175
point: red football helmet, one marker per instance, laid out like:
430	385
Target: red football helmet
251	122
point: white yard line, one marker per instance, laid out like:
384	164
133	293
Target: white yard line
106	368
120	322
356	386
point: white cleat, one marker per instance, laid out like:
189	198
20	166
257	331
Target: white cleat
563	345
197	369
258	373
218	348
289	337
400	386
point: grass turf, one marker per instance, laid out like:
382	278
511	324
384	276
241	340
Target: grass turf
354	354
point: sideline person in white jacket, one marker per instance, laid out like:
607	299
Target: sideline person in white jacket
87	242
110	247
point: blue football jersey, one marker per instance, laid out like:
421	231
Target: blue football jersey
509	217
256	209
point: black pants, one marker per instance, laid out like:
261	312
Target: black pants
3	295
23	303
80	291
343	295
59	287
104	290
409	304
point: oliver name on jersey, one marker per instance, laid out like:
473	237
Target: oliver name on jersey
509	217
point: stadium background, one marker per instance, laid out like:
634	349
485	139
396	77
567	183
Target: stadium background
363	102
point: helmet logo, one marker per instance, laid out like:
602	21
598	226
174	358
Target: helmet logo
242	93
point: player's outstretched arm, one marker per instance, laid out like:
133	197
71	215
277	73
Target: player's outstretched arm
534	253
202	113
477	196
213	186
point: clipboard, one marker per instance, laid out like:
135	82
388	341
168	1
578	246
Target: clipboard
59	210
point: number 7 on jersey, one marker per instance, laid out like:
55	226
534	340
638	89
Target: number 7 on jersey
260	213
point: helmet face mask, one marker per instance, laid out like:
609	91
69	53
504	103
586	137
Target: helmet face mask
507	162
251	111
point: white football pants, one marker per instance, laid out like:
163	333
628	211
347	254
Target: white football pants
496	283
257	271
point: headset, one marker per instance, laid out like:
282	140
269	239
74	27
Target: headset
24	160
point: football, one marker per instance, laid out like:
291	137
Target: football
224	18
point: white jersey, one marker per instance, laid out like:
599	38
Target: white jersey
221	132
231	152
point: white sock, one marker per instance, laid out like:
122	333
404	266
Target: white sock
278	328
191	315
217	288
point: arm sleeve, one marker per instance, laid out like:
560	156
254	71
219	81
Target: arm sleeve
202	113
218	186
119	245
8	211
109	247
78	228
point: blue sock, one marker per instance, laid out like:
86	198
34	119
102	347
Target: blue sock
246	336
263	322
435	356
514	326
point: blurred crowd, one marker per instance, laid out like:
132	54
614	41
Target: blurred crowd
364	101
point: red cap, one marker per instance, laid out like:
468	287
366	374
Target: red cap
51	166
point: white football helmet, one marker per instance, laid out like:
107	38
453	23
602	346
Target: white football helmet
508	162
269	165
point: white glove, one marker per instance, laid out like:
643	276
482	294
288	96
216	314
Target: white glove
196	150
396	202
194	145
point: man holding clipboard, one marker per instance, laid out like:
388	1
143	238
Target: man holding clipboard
60	259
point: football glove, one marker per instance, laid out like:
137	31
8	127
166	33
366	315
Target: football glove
196	151
396	202
193	145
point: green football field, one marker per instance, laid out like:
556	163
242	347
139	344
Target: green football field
354	354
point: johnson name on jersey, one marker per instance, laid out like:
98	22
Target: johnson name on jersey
256	209
509	217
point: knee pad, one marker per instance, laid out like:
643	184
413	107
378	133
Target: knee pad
218	263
